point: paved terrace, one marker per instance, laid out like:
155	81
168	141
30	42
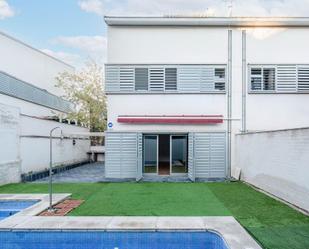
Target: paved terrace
91	172
95	172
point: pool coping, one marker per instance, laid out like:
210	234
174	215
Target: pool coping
235	236
35	209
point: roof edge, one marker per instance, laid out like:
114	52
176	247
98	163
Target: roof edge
36	49
208	21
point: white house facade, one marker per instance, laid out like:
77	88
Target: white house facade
29	102
180	89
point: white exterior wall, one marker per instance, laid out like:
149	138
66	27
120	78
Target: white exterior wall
165	104
9	153
34	150
30	65
186	45
25	146
31	149
205	45
277	111
142	45
35	153
277	162
157	45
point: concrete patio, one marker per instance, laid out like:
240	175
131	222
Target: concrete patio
91	172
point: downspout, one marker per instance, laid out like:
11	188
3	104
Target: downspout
229	104
244	82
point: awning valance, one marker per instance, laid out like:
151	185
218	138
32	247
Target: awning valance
171	119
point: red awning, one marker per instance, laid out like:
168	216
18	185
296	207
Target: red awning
171	119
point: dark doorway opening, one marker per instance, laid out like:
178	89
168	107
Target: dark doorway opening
164	154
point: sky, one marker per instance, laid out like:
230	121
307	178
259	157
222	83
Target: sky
74	30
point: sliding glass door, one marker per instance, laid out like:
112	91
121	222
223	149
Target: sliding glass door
150	154
179	162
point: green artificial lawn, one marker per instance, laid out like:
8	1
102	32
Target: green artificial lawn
272	223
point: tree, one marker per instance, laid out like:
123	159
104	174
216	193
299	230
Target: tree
85	89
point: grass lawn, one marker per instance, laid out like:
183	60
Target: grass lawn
272	223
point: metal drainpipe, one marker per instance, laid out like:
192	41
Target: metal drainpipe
229	103
244	82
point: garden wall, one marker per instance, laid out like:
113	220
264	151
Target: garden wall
277	162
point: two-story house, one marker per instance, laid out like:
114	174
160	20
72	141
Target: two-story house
180	88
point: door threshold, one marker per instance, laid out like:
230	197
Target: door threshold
167	178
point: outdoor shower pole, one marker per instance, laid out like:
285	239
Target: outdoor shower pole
50	186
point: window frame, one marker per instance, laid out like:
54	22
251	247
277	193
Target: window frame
262	67
275	91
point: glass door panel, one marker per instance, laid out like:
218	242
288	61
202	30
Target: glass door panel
179	146
150	154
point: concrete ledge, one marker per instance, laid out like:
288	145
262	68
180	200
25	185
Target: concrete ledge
232	232
30	212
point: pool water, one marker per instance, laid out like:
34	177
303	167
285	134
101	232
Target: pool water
110	240
8	208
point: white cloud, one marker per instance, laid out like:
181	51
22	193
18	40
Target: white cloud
5	10
89	44
89	47
197	7
72	59
95	6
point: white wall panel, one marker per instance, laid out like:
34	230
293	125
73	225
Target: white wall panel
168	104
167	45
277	162
30	65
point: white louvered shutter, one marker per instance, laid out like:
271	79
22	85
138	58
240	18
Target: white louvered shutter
303	78
126	79
189	78
156	79
112	79
207	83
286	78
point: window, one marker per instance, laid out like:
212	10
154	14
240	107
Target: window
165	78
141	79
269	77
220	79
170	79
263	79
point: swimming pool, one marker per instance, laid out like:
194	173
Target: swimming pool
111	240
8	208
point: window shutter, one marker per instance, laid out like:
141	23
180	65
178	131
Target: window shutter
191	157
126	79
141	79
165	78
156	81
207	79
170	79
286	78
121	155
210	154
217	155
189	78
112	79
303	78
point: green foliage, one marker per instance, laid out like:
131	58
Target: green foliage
85	89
